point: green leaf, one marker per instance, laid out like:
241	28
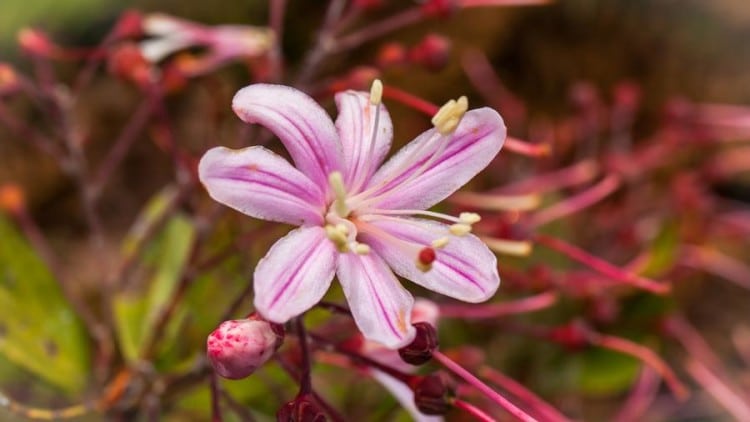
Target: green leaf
664	249
136	312
604	372
38	329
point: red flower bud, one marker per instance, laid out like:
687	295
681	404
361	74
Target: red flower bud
420	350
128	63
441	8
8	78
301	409
574	336
129	25
37	43
430	395
391	54
11	198
433	52
237	348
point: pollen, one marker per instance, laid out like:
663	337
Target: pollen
376	92
449	116
460	229
440	243
338	237
469	218
361	249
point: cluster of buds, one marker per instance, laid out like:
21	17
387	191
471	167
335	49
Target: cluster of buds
432	53
238	347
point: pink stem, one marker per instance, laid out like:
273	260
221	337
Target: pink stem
474	411
495	310
647	356
640	398
534	402
730	400
577	202
482	387
714	262
601	266
524	148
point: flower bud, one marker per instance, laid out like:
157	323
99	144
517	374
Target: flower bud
420	350
433	52
430	395
391	54
8	78
441	8
127	62
37	43
301	409
11	198
573	336
237	348
129	25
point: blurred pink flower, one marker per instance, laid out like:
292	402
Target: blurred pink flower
223	43
357	218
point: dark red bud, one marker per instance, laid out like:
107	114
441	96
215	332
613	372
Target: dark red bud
301	409
433	52
573	336
430	395
127	62
420	350
440	8
391	54
129	25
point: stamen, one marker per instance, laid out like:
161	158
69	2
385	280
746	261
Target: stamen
361	249
376	92
460	229
440	243
338	237
336	180
469	218
425	258
449	116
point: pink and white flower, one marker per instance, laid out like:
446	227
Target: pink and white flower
358	220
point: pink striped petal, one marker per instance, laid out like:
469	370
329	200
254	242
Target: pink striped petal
363	152
259	183
380	305
300	123
295	274
465	269
476	141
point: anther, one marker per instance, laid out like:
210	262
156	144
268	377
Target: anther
425	258
336	180
449	116
361	249
376	92
440	242
469	217
338	238
460	229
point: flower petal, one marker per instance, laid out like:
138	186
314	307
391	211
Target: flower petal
300	123
259	183
464	269
476	141
295	274
380	305
363	152
404	395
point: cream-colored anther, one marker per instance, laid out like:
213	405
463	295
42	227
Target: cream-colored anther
342	228
469	217
337	237
376	92
336	180
460	229
449	116
440	243
361	249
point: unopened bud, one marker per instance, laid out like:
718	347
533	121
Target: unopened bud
8	78
237	348
420	350
37	43
430	395
301	409
391	54
129	25
440	8
11	198
573	336
433	52
128	63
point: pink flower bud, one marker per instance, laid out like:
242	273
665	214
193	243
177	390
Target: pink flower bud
238	347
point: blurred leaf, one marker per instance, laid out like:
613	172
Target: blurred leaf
663	251
154	210
604	372
135	315
38	329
